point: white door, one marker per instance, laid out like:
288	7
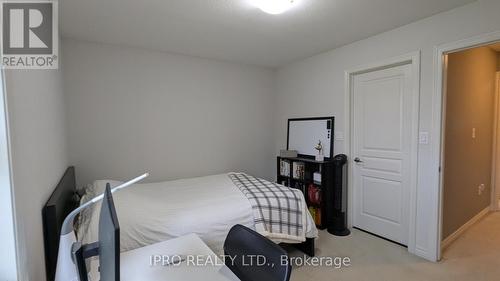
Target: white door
382	139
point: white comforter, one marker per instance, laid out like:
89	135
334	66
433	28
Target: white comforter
154	212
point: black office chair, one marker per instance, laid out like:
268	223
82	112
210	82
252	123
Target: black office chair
244	245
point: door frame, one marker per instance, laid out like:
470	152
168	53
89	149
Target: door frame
412	59
438	121
6	180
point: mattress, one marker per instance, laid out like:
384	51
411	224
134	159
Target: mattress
154	212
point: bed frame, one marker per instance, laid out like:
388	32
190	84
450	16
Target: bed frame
62	201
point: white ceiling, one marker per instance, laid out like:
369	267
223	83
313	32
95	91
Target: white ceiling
236	31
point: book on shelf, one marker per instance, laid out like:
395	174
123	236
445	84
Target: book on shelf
285	168
317	177
298	170
317	217
315	214
314	194
312	210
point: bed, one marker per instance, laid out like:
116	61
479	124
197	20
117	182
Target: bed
154	212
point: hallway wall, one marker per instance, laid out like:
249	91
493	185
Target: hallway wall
469	107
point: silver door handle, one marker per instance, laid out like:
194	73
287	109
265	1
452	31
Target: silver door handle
357	160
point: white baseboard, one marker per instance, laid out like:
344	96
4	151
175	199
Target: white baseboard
446	242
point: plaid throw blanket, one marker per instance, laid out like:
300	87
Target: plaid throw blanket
278	210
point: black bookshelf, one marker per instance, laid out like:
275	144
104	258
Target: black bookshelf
304	183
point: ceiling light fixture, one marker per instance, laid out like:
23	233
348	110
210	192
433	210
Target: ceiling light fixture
274	7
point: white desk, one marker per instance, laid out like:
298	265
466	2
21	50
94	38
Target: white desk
135	265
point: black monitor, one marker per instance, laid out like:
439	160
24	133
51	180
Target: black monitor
108	246
109	239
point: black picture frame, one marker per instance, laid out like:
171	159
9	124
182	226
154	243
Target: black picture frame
332	122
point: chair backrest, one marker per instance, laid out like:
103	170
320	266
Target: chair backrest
253	257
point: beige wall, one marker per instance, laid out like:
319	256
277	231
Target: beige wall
469	104
498	61
497	174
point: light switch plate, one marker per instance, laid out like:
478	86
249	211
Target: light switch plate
423	138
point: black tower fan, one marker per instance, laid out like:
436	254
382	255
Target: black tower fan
337	214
